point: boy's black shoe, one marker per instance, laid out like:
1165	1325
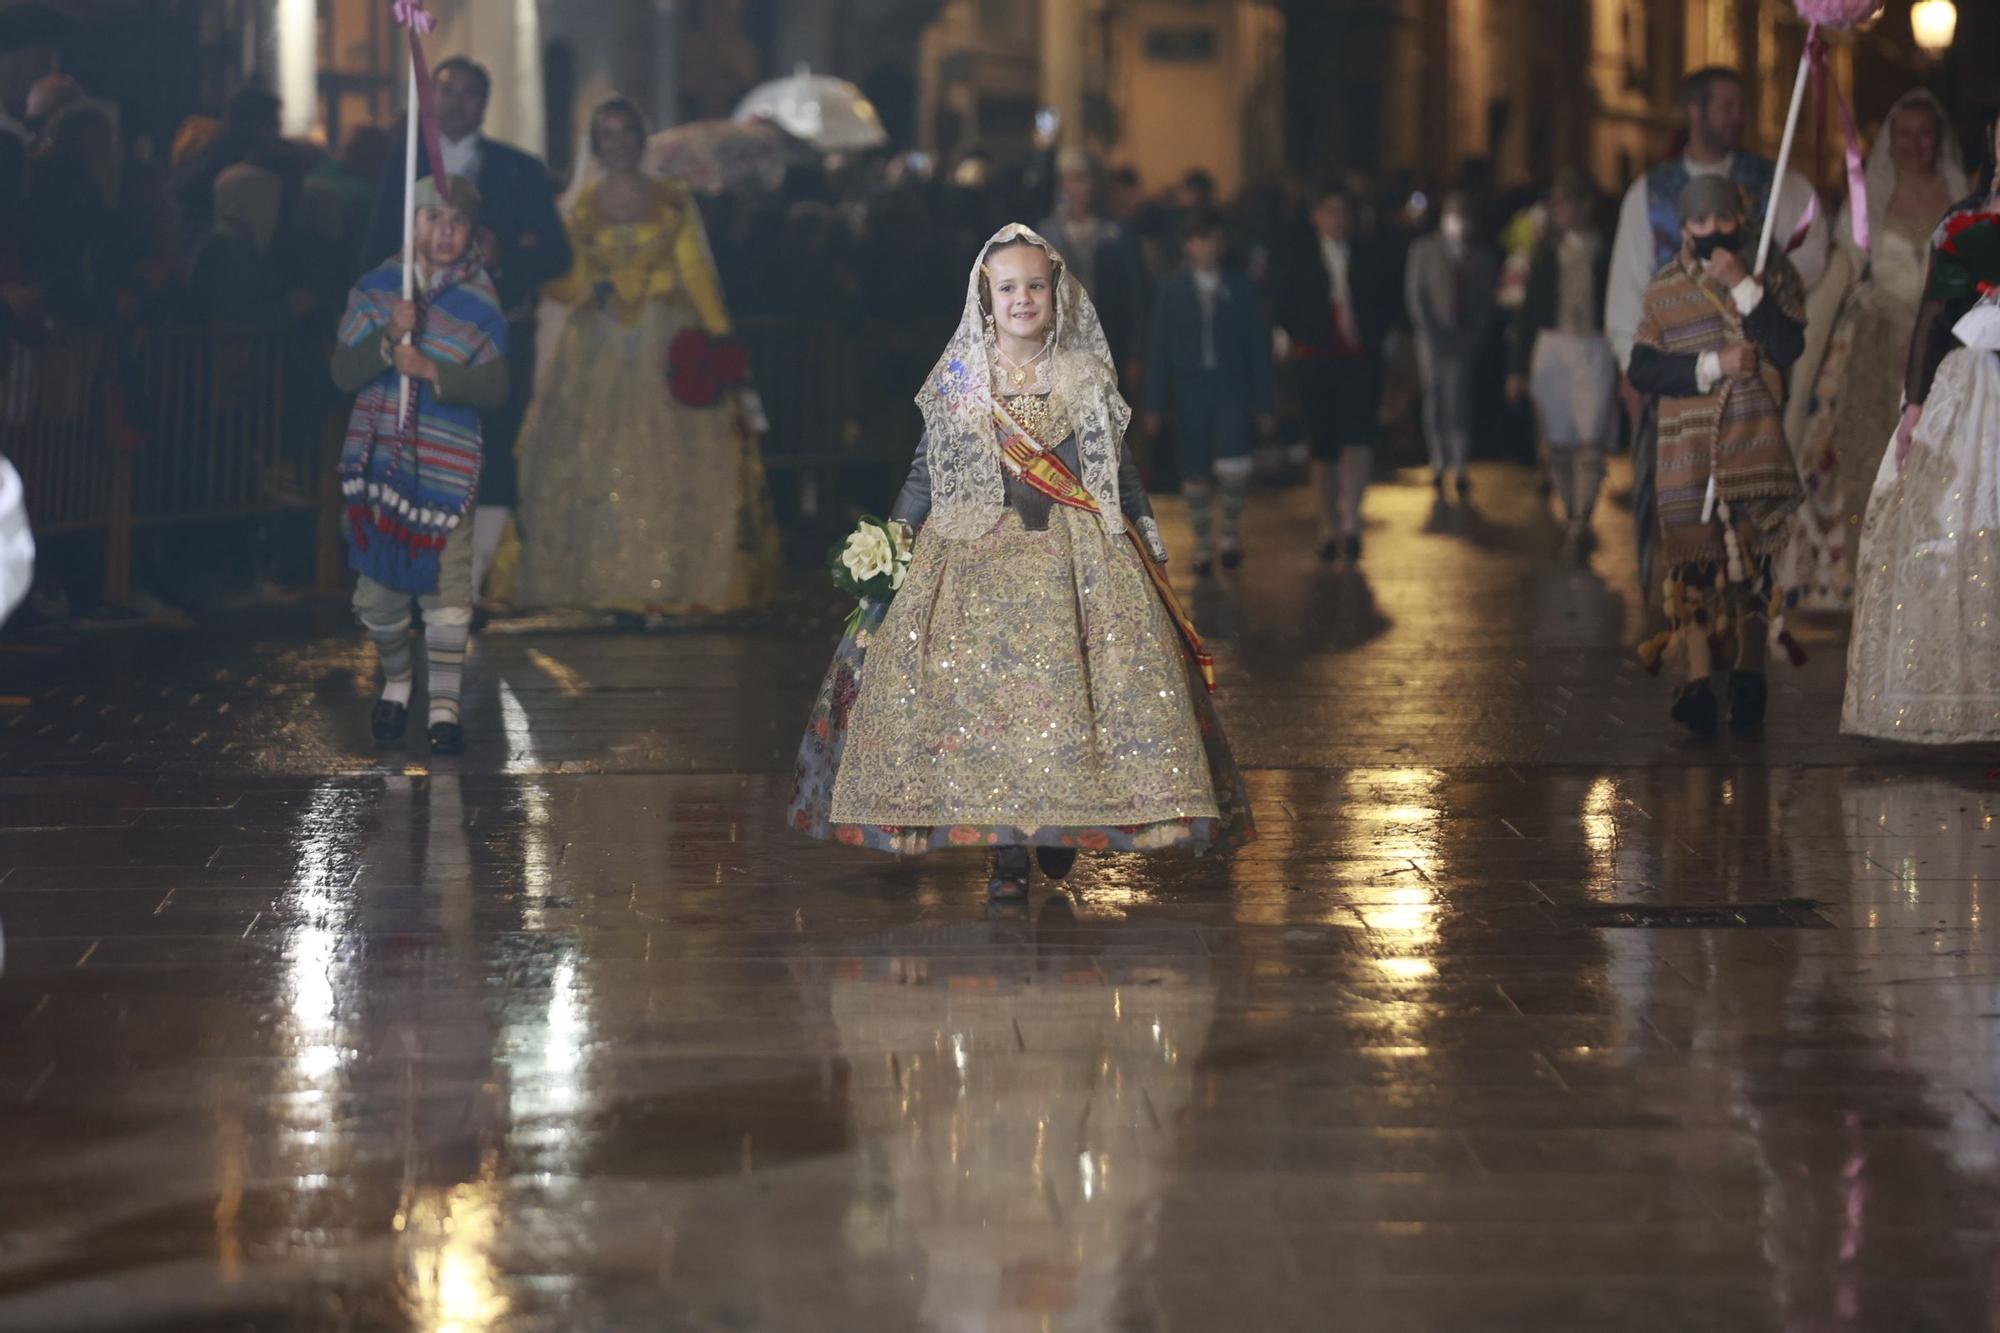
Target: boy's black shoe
1232	557
1203	566
447	738
1329	550
389	721
1749	699
1695	708
1354	548
1056	862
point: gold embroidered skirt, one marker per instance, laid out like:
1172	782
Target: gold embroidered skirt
630	499
1023	686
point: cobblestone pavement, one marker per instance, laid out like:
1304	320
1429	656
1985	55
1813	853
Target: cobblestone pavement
1523	1014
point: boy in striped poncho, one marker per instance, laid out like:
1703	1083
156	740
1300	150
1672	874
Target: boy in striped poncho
1713	346
409	486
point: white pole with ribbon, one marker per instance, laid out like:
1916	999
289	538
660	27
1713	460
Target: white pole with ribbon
1784	156
421	128
409	224
1841	15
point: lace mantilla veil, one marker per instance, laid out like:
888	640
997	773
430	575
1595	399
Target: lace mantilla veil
968	493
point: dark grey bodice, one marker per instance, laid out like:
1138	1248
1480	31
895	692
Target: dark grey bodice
913	505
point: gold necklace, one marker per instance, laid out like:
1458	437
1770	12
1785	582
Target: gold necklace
1018	374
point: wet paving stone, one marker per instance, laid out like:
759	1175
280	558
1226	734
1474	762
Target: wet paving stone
1525	1013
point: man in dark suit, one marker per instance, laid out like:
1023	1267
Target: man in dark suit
1210	365
1336	304
522	241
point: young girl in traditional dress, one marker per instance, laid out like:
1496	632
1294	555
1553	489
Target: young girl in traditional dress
1034	684
1923	661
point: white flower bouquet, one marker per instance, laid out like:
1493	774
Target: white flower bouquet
870	563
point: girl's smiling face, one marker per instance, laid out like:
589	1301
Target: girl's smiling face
1021	283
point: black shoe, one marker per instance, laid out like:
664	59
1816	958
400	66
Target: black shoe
1354	549
1437	483
389	722
1010	876
447	738
1328	550
1695	708
1464	487
1056	862
1204	566
1749	698
1232	557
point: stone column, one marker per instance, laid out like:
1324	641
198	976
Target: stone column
666	63
1065	39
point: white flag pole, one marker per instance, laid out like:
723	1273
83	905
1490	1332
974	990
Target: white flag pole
409	221
1784	157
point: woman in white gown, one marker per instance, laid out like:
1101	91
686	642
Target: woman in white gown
636	496
1915	173
1923	664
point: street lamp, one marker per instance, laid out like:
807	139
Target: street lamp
1934	23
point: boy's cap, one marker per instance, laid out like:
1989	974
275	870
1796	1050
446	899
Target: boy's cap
1711	197
458	194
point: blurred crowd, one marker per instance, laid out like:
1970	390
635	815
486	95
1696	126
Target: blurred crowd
109	230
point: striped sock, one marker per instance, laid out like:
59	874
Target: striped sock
1201	514
399	665
1235	494
445	639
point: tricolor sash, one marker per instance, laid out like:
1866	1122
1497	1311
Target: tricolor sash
1040	468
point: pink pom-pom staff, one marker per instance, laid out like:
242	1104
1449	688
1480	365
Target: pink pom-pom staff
1815	65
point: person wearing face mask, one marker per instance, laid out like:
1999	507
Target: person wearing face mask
1557	353
639	495
1649	235
1712	347
1450	288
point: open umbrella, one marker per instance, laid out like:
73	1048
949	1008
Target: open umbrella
830	114
714	156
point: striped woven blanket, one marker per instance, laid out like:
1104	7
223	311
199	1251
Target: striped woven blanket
407	484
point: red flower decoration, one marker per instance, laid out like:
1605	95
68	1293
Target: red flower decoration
1954	227
700	368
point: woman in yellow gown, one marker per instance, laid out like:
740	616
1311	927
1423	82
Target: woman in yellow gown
632	500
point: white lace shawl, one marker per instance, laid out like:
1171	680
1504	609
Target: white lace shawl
968	493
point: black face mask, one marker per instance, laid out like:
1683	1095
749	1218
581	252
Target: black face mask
1706	246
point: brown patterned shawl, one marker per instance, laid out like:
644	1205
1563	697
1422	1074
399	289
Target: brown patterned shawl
1740	425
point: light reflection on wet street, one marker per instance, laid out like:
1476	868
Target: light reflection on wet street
570	1034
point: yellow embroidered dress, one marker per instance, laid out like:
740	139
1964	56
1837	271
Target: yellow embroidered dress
630	499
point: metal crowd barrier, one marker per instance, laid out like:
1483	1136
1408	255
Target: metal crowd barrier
114	432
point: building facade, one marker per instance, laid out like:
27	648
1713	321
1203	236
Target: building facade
1433	91
1511	91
